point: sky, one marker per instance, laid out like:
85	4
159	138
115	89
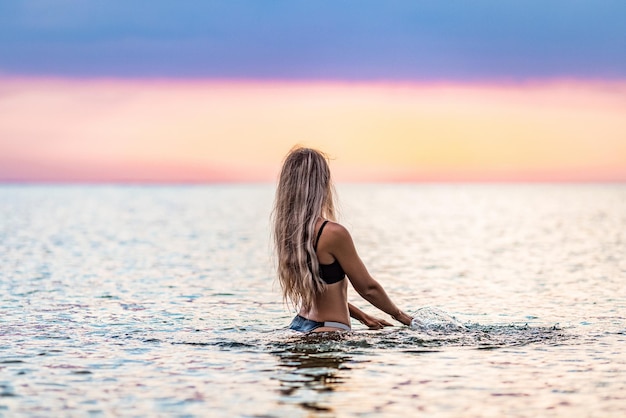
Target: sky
206	91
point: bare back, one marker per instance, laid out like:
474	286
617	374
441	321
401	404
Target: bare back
332	304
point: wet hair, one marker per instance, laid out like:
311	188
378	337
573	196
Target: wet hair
305	193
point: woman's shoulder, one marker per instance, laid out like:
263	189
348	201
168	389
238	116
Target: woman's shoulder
335	230
338	239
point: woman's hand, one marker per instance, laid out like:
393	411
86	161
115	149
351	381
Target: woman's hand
374	323
368	320
404	318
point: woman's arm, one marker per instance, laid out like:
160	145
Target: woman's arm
356	313
342	248
367	320
376	295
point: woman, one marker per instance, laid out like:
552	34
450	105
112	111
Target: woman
315	254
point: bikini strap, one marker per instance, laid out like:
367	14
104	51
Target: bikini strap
319	234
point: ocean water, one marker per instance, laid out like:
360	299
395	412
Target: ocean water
161	301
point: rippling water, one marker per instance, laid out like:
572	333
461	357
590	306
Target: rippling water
160	301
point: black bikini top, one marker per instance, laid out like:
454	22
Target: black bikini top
330	273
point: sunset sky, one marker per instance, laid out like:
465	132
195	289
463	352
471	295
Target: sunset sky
204	91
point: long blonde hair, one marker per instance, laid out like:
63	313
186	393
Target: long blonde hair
304	194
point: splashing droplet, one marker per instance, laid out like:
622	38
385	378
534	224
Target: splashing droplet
427	319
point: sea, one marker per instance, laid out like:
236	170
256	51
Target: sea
162	301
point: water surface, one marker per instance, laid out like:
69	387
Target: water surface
148	301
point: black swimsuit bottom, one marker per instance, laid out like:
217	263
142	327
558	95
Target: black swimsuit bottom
330	273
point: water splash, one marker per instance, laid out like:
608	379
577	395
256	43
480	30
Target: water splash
441	334
432	319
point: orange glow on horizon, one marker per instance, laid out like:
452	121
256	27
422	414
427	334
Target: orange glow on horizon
122	130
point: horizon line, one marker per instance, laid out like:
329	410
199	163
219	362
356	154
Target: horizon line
4	182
